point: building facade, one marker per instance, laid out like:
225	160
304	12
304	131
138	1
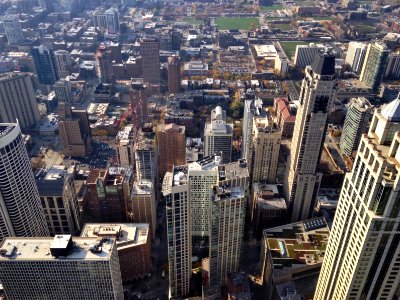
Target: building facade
355	56
63	63
13	29
146	156
305	54
150	51
45	65
107	19
392	70
174	75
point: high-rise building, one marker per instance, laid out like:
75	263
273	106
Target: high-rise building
218	135
21	213
62	90
305	54
125	149
108	195
374	66
150	51
355	124
316	97
17	100
104	64
142	205
59	200
251	108
45	65
63	63
107	19
355	55
362	259
392	70
133	246
60	268
13	29
74	128
146	156
174	75
171	147
264	148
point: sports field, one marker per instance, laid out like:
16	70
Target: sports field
271	7
236	23
290	47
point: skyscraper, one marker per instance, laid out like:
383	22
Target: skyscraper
62	90
316	96
13	29
60	268
104	64
355	124
63	63
21	213
362	259
174	75
355	55
17	100
392	70
171	147
374	66
107	19
150	51
146	156
45	65
251	108
304	54
218	135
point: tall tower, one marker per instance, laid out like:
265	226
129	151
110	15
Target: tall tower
13	29
45	65
104	64
21	213
174	75
363	253
150	51
374	66
251	108
317	93
355	55
63	63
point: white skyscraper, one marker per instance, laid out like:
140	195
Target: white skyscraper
251	107
13	29
362	259
107	19
218	135
21	213
316	96
355	55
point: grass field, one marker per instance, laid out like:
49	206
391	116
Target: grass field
322	18
236	23
193	21
290	47
272	7
281	27
365	28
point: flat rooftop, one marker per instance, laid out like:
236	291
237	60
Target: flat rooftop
142	187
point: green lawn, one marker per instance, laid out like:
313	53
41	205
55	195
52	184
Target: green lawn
272	7
290	47
322	18
281	27
193	21
365	28
236	23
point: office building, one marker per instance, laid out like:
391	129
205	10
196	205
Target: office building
362	259
45	65
133	246
355	56
104	64
251	108
374	66
171	148
107	20
108	195
392	70
59	200
142	205
17	100
146	156
125	148
316	97
355	124
21	213
218	135
13	29
305	54
62	90
60	268
63	63
150	51
264	148
174	75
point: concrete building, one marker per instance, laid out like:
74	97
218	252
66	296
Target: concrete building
45	65
355	124
284	117
264	148
21	213
363	253
174	75
150	51
146	156
355	55
59	200
283	255
171	147
374	66
104	64
13	29
305	54
392	70
125	149
268	208
251	108
107	20
133	246
142	205
218	135
108	195
63	63
60	268
316	97
62	90
74	127
17	100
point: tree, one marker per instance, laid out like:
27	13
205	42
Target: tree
236	109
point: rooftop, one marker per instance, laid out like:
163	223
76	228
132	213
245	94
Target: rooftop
267	197
142	187
6	128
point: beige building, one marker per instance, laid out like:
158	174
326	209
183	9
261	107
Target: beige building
171	147
17	100
74	130
362	259
174	75
125	150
